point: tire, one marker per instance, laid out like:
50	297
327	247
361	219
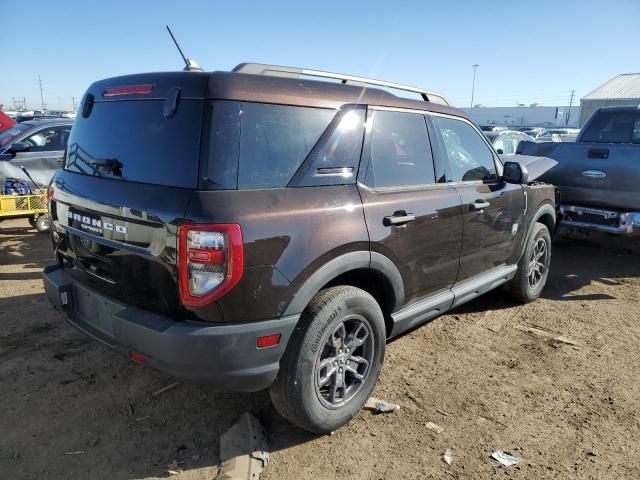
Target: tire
523	287
334	315
42	223
32	221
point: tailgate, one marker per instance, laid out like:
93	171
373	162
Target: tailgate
594	174
120	237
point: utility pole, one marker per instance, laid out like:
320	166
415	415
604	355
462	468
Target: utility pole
569	112
473	85
73	102
41	95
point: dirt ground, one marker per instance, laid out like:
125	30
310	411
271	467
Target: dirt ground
568	407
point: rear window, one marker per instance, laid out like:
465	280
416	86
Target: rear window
253	145
132	140
614	127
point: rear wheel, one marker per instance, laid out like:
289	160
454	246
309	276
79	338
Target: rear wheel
332	361
533	267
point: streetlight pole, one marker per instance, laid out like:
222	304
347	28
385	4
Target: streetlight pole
473	85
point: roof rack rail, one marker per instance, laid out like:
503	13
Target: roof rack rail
275	70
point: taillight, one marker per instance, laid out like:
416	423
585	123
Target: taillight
211	261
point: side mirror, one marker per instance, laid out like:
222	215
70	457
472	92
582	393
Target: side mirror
515	173
19	147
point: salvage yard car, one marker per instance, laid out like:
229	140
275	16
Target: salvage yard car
506	141
599	174
37	145
259	229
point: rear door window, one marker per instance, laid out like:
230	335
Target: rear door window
613	127
400	151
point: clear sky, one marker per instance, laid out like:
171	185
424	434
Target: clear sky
528	51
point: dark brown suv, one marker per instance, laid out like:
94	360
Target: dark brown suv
256	228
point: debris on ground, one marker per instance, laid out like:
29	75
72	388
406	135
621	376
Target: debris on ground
448	456
173	468
548	334
505	458
381	406
160	391
243	450
79	452
434	428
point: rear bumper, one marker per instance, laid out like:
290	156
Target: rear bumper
625	224
224	355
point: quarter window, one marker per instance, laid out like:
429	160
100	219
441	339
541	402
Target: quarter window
275	140
253	145
469	157
400	151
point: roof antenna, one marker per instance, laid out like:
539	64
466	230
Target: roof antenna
190	65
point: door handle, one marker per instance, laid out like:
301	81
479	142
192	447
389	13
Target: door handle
598	153
479	205
398	218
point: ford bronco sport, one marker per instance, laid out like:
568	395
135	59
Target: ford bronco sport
258	228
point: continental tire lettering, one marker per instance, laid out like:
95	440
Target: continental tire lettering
320	334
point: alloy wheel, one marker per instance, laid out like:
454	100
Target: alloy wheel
344	361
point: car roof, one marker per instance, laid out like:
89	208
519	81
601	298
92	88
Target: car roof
39	121
264	88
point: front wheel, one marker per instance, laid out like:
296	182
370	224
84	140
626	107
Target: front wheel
533	267
332	361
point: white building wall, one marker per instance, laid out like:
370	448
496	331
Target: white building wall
525	116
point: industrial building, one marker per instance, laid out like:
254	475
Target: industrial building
623	89
533	115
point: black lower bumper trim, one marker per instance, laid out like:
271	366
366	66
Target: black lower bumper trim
221	354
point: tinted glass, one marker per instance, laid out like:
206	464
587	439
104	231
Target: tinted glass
253	145
221	145
334	159
469	156
275	140
49	139
613	127
400	151
132	140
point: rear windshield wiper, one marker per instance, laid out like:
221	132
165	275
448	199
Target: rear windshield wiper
111	165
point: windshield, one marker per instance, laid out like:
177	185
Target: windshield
7	136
